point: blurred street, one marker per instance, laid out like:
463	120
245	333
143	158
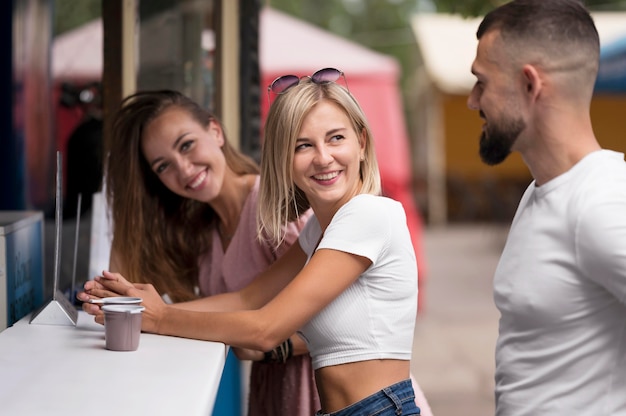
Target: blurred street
453	353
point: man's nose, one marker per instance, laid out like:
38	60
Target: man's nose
472	101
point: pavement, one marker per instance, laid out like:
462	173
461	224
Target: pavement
455	335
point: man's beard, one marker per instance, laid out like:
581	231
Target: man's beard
497	140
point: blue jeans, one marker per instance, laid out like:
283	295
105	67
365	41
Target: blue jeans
397	399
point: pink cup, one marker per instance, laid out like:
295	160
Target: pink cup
122	327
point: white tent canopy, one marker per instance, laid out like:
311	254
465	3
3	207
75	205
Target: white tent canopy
448	45
290	45
78	53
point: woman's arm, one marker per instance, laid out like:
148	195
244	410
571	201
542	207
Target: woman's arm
256	294
267	322
259	291
298	347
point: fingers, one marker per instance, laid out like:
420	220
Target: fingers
116	277
94	310
92	285
82	296
93	288
95	293
111	286
91	309
105	293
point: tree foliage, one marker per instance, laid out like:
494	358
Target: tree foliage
480	7
69	14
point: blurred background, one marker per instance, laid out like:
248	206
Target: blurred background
68	63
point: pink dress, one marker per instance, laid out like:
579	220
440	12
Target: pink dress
275	389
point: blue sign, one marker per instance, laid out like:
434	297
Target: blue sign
612	71
23	245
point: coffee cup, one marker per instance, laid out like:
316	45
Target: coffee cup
122	327
115	300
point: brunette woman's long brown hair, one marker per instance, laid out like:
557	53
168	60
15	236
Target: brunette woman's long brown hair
158	235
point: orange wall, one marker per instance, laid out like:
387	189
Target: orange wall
476	191
608	114
462	130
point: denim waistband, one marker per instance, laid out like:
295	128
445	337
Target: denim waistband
392	400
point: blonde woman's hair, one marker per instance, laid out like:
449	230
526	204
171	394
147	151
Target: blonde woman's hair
280	200
158	235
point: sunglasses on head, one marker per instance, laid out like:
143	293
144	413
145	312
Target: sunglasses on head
324	76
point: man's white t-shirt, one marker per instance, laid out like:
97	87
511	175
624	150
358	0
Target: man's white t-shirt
560	286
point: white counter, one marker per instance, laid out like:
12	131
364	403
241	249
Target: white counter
65	370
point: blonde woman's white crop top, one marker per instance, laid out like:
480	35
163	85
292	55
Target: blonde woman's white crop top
374	318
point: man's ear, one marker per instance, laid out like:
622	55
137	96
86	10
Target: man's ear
532	81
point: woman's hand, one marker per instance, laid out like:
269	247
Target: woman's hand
94	290
114	284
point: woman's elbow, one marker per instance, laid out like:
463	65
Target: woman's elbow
267	339
267	343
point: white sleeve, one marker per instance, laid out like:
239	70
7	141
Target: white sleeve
601	243
364	226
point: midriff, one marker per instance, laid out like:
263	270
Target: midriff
342	385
